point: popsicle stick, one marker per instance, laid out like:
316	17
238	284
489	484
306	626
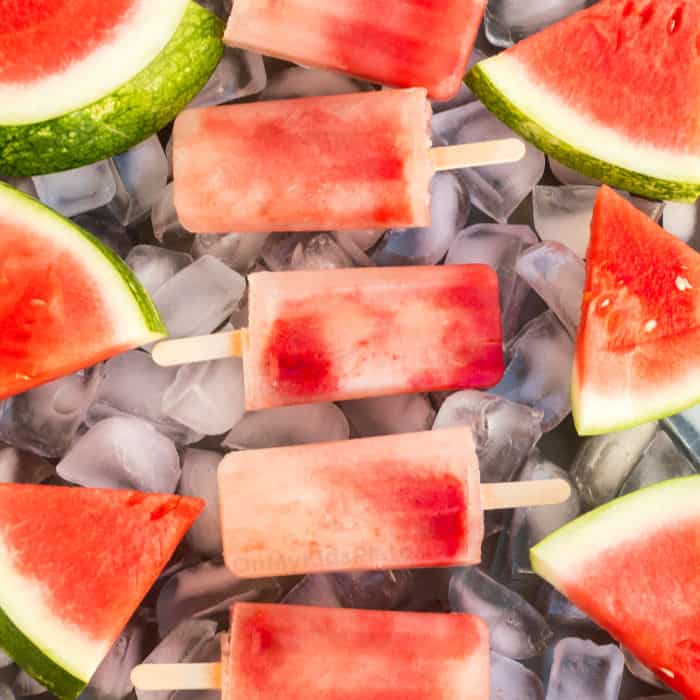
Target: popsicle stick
473	155
521	494
177	676
201	348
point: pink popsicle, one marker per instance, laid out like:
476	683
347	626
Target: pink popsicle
398	501
286	652
330	335
406	43
326	163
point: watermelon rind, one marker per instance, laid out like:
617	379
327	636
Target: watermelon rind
128	115
136	318
493	80
560	555
36	662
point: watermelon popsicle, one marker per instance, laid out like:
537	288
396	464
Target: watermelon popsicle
329	335
278	652
359	161
402	44
399	501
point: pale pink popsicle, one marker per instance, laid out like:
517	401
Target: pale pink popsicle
326	163
404	43
398	501
328	335
287	652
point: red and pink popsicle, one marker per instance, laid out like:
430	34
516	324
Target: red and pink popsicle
286	652
329	335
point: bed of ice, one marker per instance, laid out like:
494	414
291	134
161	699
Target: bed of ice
131	424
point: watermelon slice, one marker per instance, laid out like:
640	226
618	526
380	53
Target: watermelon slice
638	345
612	91
632	565
82	80
66	300
75	563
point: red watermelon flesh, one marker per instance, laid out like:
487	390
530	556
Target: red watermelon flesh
638	346
39	38
649	53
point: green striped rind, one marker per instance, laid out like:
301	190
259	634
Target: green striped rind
128	115
149	313
36	663
622	518
636	182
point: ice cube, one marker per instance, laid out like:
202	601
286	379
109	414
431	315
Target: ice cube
45	420
364	239
123	453
73	192
133	385
239	251
320	252
212	291
449	208
25	685
288	425
585	671
308	82
508	21
22	468
661	461
682	220
517	630
199	479
112	679
207	651
510	680
684	429
207	397
568	176
314	589
208	590
561	613
538	374
164	219
374	590
385	415
496	190
499	246
604	462
178	646
154	265
23	184
558	275
239	74
505	432
102	225
141	175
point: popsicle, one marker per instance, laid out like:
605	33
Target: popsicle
287	652
390	502
359	161
412	43
328	335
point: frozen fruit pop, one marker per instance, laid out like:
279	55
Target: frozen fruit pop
288	652
390	502
357	161
327	335
406	43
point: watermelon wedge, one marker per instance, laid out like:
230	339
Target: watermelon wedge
75	563
638	346
632	565
66	300
612	91
82	80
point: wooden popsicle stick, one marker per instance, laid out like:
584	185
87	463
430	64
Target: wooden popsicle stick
473	155
521	494
177	676
201	348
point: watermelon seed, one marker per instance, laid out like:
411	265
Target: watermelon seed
682	284
650	325
674	24
605	303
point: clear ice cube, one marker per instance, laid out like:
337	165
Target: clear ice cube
239	251
682	220
165	221
154	265
511	680
389	415
308	82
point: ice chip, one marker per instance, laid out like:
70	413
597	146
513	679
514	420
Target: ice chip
123	453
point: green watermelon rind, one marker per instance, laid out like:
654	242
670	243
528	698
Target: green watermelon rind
125	117
501	106
36	663
572	539
152	322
